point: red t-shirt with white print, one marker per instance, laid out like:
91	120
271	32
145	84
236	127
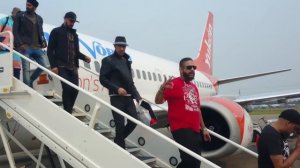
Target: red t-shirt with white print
183	105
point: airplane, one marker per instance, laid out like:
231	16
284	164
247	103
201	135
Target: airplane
221	114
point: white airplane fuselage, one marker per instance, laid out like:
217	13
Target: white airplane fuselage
149	72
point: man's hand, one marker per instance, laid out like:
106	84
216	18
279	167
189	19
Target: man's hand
55	70
44	45
138	100
87	59
23	47
122	92
168	84
206	135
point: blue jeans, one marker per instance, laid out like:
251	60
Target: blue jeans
38	56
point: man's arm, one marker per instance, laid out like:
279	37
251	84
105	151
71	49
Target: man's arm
159	97
44	42
206	135
279	162
105	71
51	49
84	57
136	94
16	27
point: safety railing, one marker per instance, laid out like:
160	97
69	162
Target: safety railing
219	136
210	131
5	69
100	101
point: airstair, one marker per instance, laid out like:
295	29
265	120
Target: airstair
84	138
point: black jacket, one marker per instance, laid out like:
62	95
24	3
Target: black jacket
22	30
115	73
57	50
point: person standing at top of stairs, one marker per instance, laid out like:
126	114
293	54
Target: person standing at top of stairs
63	52
29	39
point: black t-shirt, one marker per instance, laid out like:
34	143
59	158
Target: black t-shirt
271	143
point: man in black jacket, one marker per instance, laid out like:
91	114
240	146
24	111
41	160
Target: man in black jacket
63	52
29	39
115	75
273	148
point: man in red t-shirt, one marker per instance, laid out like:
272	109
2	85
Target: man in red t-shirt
184	114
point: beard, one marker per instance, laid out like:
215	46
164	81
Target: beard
189	76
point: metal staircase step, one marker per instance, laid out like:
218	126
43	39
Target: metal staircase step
78	114
101	131
146	159
132	149
14	94
108	133
57	101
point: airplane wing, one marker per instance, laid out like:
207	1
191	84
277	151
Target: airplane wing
239	78
280	97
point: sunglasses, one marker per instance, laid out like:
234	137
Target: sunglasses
122	46
190	67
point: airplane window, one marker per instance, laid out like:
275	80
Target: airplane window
132	73
154	76
159	77
138	74
97	66
144	75
87	65
149	76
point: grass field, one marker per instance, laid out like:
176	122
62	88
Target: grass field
269	111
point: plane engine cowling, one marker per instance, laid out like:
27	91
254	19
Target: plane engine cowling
228	119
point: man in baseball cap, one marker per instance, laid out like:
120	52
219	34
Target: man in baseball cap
273	150
33	3
72	16
64	54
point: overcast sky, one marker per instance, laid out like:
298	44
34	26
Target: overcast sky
249	36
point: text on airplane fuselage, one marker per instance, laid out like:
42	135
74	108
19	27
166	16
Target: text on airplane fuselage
208	44
95	50
90	82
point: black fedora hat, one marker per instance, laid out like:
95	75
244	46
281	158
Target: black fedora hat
120	40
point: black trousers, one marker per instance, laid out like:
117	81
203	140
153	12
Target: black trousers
69	94
125	104
191	140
